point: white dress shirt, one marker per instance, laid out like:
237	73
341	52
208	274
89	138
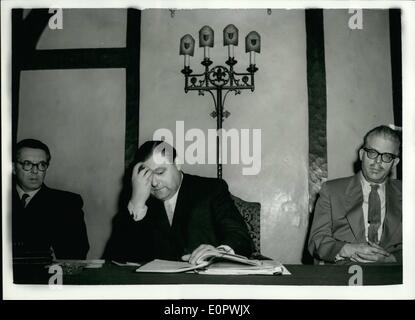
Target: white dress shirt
30	194
170	205
365	206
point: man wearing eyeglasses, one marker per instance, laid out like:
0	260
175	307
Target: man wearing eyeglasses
45	221
359	218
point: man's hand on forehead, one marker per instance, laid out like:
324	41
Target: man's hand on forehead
141	167
141	174
146	171
141	183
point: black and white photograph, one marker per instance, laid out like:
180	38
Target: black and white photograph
229	150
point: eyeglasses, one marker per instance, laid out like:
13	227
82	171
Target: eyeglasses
386	157
27	165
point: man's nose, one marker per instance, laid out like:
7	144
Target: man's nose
34	169
154	181
378	159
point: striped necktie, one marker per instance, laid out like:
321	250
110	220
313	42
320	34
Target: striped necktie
374	213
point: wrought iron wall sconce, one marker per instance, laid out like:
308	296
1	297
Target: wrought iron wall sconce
219	80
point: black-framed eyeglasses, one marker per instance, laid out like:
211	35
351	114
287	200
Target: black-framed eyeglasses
28	165
386	157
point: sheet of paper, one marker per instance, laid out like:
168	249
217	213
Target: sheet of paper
167	266
126	264
265	268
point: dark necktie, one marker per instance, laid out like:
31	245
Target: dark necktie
374	213
23	199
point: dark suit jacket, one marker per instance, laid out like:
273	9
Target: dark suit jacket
204	214
52	218
338	218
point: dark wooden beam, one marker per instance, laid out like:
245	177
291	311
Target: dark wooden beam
133	84
396	65
317	102
75	59
317	109
17	34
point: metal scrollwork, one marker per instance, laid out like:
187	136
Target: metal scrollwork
219	76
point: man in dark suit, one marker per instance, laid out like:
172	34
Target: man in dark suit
359	218
44	220
174	216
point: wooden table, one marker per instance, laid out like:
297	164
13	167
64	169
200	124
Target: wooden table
314	275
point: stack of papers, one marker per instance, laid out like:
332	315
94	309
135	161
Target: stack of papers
266	267
167	266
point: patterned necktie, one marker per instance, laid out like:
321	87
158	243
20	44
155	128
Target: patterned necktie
23	199
169	211
374	213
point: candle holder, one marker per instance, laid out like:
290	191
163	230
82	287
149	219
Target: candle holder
219	80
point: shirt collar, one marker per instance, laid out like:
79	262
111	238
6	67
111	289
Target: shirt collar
366	184
21	192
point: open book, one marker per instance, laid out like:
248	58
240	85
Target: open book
216	262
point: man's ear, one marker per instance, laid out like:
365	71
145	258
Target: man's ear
361	154
14	168
395	162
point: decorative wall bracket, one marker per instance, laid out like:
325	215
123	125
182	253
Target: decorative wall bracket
219	80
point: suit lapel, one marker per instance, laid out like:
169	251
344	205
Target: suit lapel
17	203
393	215
36	220
38	197
159	214
42	205
354	211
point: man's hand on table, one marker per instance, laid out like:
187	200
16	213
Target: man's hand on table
365	253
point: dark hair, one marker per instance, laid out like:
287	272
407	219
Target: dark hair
386	132
31	143
149	147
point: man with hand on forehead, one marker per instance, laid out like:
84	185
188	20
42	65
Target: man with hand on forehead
175	216
359	218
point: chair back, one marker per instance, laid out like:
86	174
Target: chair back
251	211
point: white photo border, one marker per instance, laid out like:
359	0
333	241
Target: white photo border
404	291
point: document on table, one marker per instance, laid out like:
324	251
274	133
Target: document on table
267	267
126	264
167	266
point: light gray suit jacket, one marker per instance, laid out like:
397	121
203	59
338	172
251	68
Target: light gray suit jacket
338	218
